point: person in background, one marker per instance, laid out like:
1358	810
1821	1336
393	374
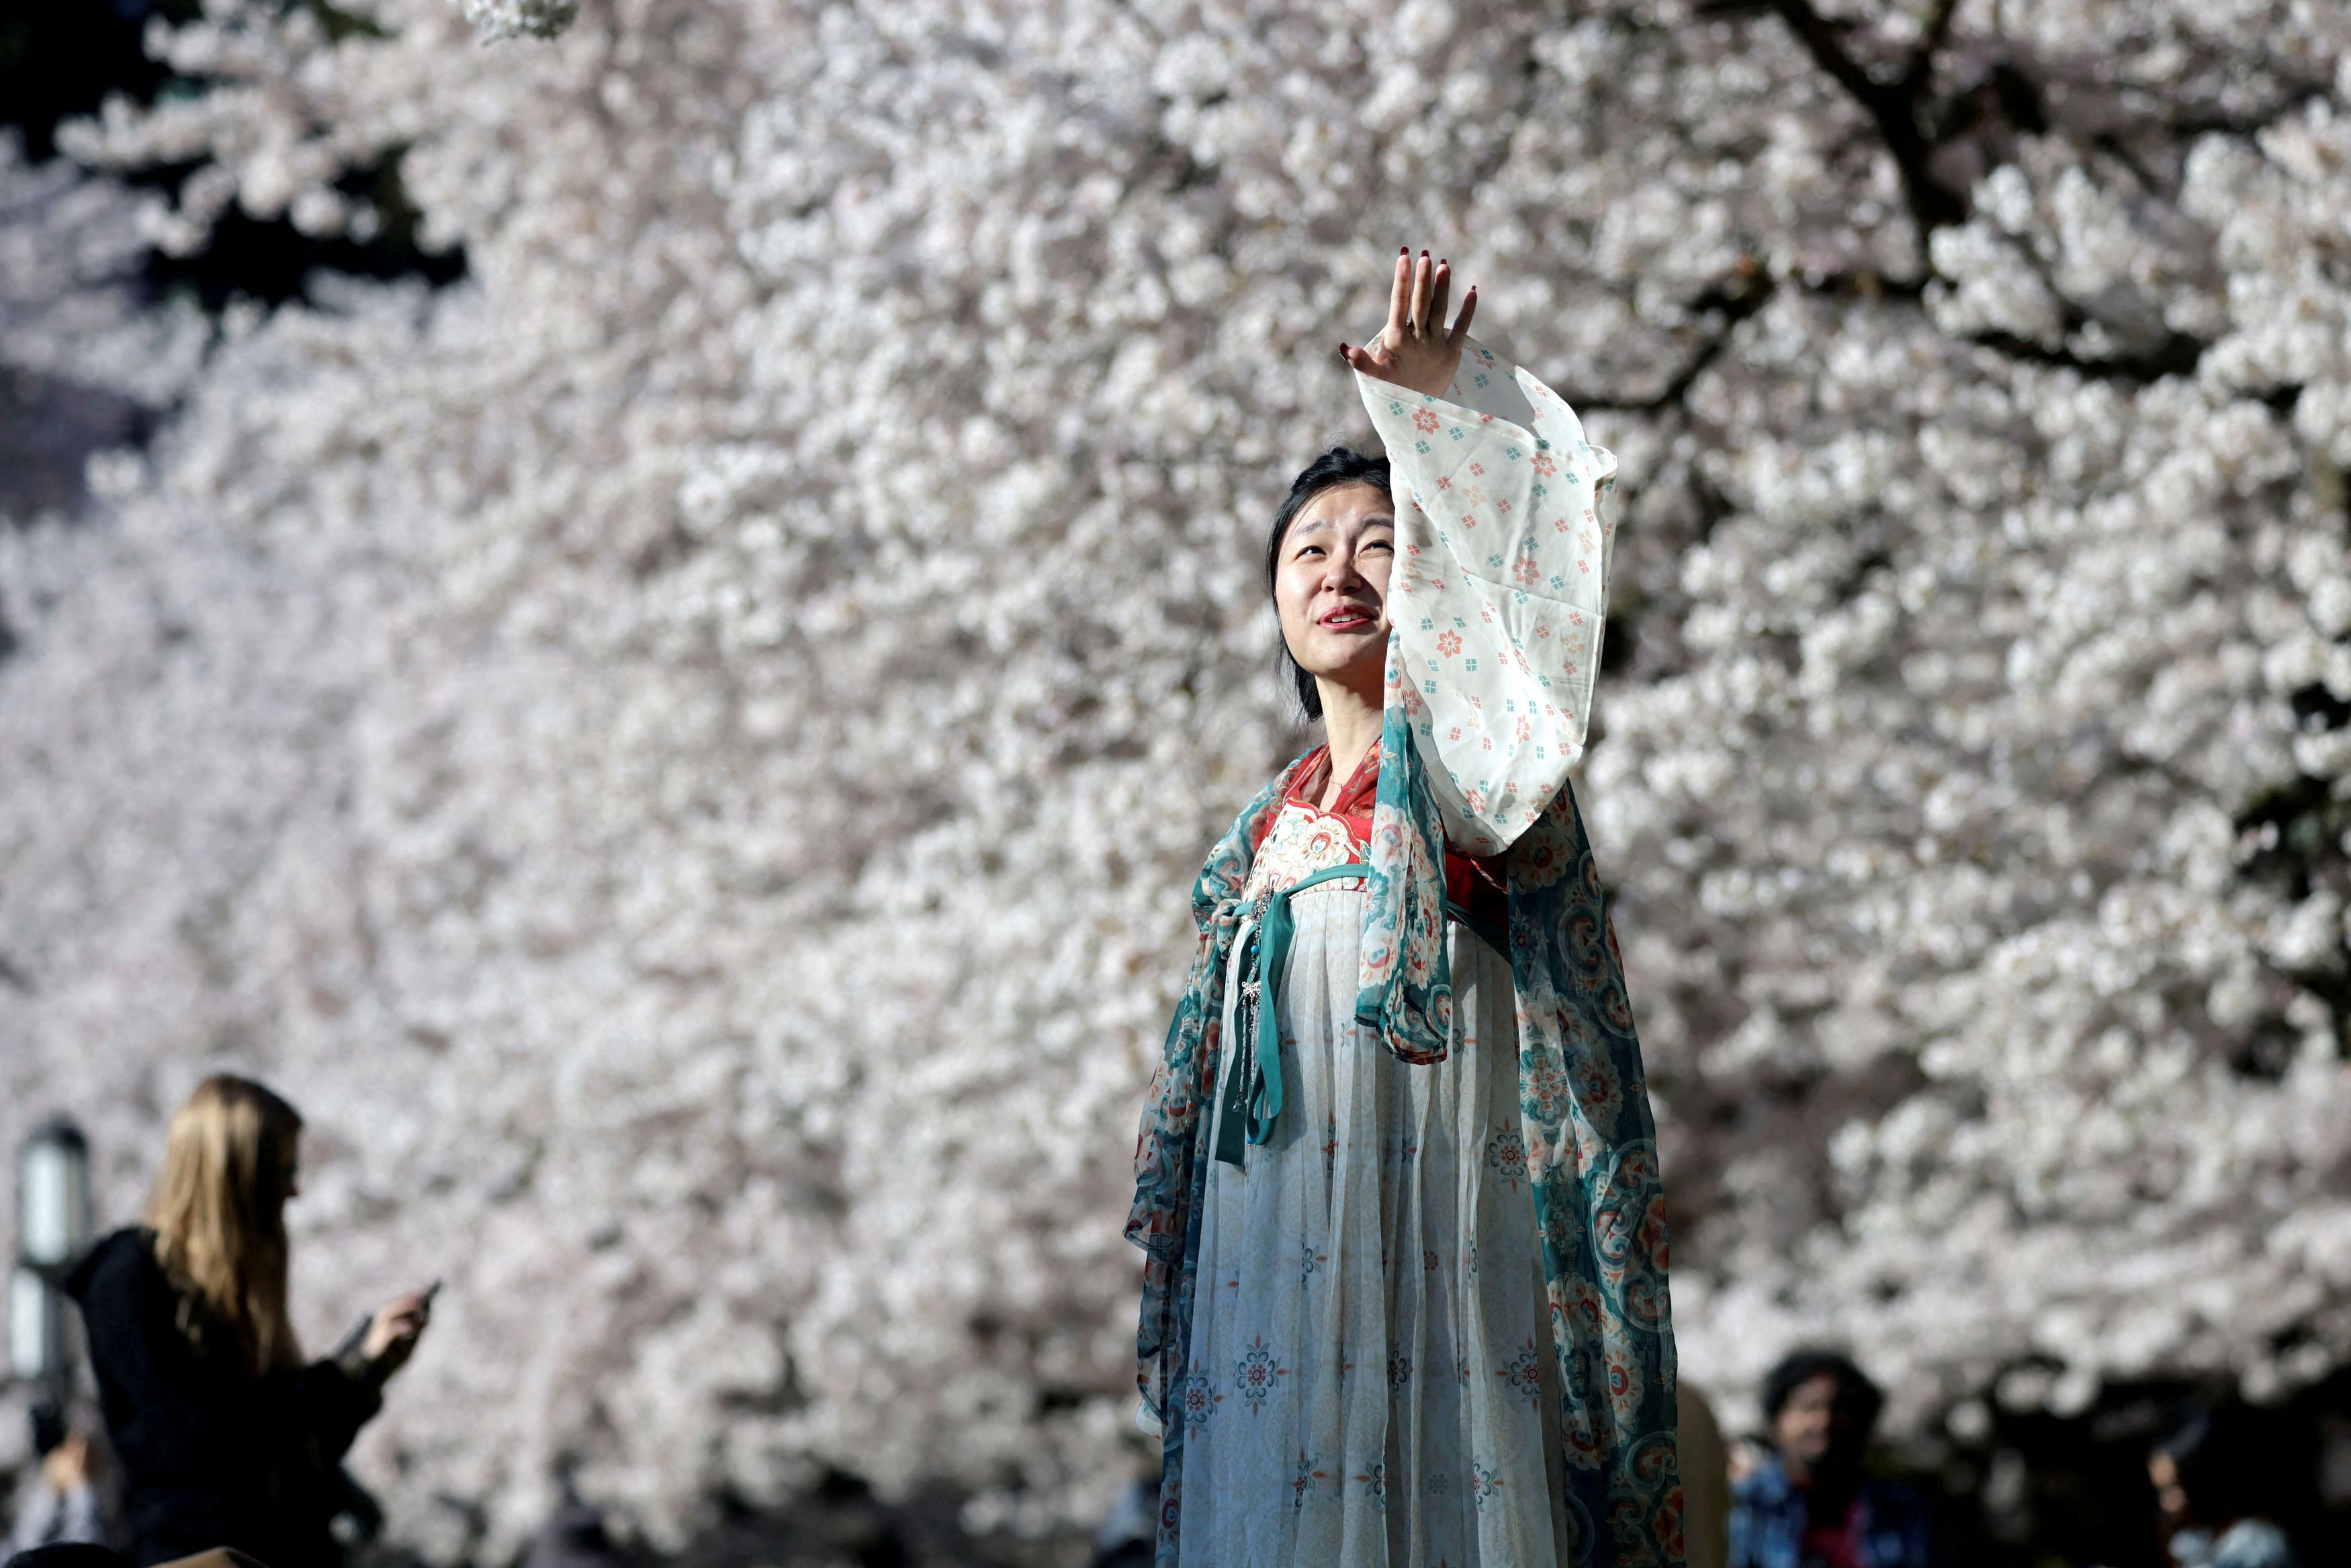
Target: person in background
2208	1473
574	1535
63	1509
1127	1533
226	1436
1808	1504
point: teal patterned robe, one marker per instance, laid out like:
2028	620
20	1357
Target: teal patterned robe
1598	1204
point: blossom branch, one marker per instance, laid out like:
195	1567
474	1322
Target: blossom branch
1894	106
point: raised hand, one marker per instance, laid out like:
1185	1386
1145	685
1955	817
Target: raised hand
393	1332
1415	350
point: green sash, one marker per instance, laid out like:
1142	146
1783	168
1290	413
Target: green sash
1252	1098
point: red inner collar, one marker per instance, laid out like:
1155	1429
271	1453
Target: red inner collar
1358	798
1480	887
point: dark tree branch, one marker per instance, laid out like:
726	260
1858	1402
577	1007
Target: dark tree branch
1913	125
2281	401
1930	41
2203	121
2177	355
1729	301
2113	147
1713	505
1894	106
1862	285
1828	51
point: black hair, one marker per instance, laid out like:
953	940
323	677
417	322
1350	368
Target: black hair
1340	465
1855	1391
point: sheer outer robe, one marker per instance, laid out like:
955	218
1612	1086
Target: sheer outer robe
1497	601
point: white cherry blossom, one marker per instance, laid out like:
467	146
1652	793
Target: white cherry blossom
685	752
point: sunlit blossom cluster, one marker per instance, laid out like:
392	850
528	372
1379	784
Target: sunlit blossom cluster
685	751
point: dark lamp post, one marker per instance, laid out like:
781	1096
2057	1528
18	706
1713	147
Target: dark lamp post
35	1329
53	1225
52	1196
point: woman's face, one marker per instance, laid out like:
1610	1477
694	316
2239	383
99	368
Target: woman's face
1331	585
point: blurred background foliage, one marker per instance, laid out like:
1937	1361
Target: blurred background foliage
1939	144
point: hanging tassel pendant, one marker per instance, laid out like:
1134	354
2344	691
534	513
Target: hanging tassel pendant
1241	1078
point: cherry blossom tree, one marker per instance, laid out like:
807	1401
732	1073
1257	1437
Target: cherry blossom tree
685	752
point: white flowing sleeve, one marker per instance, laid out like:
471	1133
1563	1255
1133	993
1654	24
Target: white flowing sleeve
1505	526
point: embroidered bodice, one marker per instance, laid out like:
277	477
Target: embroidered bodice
1302	838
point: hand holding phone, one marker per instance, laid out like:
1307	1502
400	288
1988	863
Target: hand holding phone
389	1337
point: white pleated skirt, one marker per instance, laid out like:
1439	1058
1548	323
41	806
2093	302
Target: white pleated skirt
1371	1379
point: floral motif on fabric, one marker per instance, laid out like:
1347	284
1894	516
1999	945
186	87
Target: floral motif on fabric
1644	1515
1257	1376
1311	1475
1543	1087
1522	1375
1506	1156
1665	1523
1406	987
1200	1398
1302	842
1511	631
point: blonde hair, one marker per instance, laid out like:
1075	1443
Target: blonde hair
218	1215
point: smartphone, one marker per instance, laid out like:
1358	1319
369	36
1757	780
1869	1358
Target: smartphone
352	1339
357	1335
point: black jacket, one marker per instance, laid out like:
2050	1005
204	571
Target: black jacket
212	1454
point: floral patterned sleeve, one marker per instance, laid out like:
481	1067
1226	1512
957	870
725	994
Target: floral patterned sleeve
1505	526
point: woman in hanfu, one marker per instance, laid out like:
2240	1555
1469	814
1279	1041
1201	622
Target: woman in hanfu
1405	1297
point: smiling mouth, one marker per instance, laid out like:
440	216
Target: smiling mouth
1348	618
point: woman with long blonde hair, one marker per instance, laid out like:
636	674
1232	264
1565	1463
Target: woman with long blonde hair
226	1437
